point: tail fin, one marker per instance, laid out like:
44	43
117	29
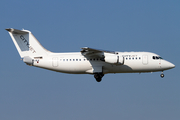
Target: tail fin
26	43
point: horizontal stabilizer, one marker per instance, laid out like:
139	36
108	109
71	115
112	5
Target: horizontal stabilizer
15	31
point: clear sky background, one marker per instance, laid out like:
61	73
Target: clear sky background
29	93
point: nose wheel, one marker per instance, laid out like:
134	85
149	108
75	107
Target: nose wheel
162	75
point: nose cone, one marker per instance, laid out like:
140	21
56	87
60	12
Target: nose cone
167	65
171	65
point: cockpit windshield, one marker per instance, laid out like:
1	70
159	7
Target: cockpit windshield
156	57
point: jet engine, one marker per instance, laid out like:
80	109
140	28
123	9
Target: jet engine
114	59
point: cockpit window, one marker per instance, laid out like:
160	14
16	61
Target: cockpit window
156	57
160	58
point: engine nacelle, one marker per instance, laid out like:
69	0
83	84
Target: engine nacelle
114	59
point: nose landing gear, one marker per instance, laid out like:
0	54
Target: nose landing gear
162	75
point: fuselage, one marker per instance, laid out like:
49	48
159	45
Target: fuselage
87	61
76	63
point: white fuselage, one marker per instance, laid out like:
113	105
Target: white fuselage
88	61
76	63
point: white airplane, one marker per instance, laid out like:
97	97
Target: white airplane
88	61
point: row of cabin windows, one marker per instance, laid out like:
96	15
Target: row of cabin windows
97	59
94	59
133	58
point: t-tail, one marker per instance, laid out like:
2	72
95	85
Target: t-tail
27	45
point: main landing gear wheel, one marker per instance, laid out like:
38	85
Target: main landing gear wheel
98	76
162	75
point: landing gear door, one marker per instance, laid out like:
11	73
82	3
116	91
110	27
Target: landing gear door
97	69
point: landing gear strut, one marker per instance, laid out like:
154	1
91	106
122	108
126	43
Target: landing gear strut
98	76
162	75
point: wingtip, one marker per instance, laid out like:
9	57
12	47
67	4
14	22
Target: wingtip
84	47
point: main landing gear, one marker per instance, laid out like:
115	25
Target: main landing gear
98	76
162	75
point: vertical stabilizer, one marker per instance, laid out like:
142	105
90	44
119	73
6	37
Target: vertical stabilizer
26	43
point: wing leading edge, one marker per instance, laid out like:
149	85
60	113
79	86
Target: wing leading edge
90	51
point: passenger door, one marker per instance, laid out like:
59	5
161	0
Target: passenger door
55	62
145	59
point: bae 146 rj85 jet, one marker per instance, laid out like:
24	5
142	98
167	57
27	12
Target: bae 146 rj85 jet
88	60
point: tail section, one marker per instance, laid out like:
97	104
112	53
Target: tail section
26	43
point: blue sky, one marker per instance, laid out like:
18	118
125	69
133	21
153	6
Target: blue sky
66	26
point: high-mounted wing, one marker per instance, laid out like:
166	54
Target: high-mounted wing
90	51
104	55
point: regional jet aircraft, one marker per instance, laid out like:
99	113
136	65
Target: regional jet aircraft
88	60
